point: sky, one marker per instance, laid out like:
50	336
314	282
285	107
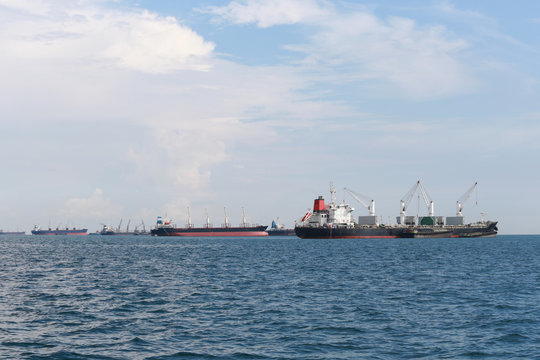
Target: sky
129	109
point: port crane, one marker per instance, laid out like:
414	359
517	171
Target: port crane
409	195
463	199
358	197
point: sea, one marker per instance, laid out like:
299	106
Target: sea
139	297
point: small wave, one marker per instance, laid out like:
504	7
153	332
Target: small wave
184	355
339	329
513	338
475	354
26	344
70	355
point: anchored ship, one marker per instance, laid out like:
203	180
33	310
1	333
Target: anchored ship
109	230
2	232
164	227
335	221
432	226
74	231
277	229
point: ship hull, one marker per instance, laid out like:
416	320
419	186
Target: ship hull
60	232
211	232
488	229
283	232
357	232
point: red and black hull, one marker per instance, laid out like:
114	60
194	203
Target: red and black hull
211	232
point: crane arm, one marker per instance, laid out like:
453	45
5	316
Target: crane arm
408	196
427	199
358	197
463	199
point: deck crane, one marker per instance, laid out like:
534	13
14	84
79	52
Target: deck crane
463	199
409	195
406	200
357	196
427	199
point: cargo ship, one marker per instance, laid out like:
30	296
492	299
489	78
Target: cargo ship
2	232
335	221
164	227
432	226
277	229
109	230
74	231
477	229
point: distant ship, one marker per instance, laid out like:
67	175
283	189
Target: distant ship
2	232
277	229
74	231
164	227
109	230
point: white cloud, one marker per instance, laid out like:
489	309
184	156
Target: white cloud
93	208
94	36
60	64
419	61
266	13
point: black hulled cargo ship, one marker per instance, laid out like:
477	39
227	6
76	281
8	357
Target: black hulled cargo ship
439	226
478	229
335	221
73	231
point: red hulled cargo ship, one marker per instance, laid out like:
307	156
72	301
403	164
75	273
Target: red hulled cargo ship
164	227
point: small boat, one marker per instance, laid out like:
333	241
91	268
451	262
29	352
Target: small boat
277	229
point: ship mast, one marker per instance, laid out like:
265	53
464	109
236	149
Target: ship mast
207	225
226	218
189	225
244	221
332	193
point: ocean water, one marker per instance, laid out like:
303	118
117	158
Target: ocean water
276	298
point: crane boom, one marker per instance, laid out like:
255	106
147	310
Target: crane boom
357	196
427	199
463	199
409	195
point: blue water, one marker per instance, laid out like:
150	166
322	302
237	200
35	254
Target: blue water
275	298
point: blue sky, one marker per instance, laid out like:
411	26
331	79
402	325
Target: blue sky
134	109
